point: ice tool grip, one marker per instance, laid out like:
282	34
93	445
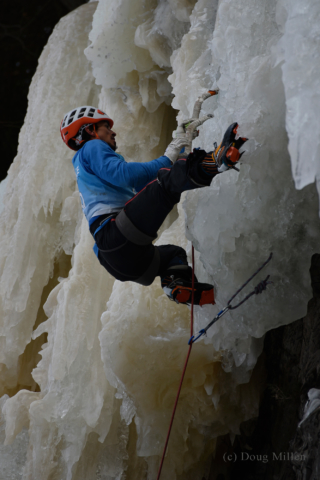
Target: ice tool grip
191	130
200	100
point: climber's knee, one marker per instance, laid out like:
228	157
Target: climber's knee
171	255
151	272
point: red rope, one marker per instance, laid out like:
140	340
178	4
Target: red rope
183	372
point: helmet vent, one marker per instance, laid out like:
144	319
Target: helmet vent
81	113
91	112
71	116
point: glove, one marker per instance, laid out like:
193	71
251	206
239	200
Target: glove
182	127
227	154
173	149
191	130
188	129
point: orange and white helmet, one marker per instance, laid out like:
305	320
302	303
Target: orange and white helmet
77	118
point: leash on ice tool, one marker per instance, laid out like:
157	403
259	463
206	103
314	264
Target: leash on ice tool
258	289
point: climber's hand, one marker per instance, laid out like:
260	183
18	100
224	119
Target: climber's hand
227	154
174	148
191	132
182	128
188	129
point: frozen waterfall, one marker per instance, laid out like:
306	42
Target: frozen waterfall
89	366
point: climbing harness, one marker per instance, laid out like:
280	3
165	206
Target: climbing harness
258	289
130	231
132	234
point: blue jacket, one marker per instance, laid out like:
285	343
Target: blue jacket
106	181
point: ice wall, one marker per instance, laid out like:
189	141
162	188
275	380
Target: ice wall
236	222
258	210
38	201
98	403
2	191
40	223
298	53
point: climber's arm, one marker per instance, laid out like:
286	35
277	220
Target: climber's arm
112	168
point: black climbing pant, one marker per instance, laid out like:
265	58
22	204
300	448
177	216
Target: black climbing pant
128	261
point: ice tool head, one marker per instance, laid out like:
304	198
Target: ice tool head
75	121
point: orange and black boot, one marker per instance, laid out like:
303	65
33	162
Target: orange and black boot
177	285
227	153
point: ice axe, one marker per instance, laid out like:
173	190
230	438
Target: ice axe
188	126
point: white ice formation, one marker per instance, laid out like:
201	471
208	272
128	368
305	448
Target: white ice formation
95	401
312	405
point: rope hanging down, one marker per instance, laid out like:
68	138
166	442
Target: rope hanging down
258	289
183	372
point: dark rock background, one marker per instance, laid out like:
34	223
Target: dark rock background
273	447
25	27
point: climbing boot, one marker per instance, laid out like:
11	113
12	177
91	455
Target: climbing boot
195	171
227	154
177	285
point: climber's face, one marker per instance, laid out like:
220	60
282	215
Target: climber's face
105	133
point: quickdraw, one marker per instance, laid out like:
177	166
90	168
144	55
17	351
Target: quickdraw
258	289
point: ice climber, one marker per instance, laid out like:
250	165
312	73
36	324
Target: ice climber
126	203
